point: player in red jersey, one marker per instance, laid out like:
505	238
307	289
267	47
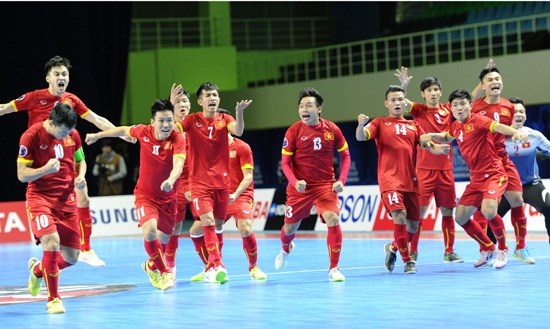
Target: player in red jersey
162	156
207	132
435	172
51	161
38	105
396	141
241	201
488	178
500	109
307	155
179	97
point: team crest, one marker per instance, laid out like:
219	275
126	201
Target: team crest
68	141
505	112
219	124
526	145
285	142
232	154
468	127
23	151
411	127
329	136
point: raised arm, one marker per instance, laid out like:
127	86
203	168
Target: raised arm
360	133
121	131
404	78
237	128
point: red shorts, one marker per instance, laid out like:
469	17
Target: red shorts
480	187
46	219
298	205
399	200
437	183
514	181
164	213
206	200
240	209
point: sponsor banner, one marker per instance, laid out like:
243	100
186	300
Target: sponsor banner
260	211
361	210
14	224
114	216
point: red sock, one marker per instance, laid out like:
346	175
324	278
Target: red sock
219	235
200	247
61	263
171	249
474	230
334	243
286	239
250	247
519	221
211	242
415	238
156	259
50	273
497	226
448	228
401	240
481	220
85	219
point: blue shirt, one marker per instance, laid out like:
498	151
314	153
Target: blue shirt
524	154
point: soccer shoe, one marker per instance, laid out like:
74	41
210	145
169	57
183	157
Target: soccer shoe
282	258
166	281
452	257
198	277
523	255
154	276
501	259
90	257
216	274
486	257
389	263
335	275
257	274
55	306
35	283
410	268
414	255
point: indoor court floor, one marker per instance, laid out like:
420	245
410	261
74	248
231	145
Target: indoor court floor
119	295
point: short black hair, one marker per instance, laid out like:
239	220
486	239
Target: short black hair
63	114
160	105
461	94
224	111
393	89
56	61
516	100
429	81
486	71
206	86
311	92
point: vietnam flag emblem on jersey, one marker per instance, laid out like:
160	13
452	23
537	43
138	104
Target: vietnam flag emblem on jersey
68	141
526	145
220	124
468	127
505	112
329	136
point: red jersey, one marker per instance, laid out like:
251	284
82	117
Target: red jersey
503	112
476	144
183	183
156	161
433	120
208	149
39	104
240	157
37	147
396	142
312	150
